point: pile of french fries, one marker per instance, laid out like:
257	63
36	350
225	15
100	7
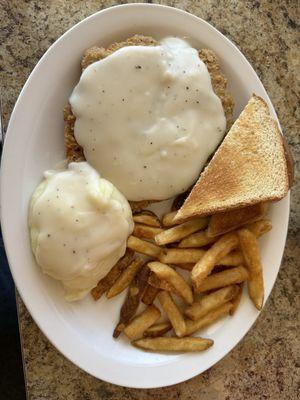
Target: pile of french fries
216	269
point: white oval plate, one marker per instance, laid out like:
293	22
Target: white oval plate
82	331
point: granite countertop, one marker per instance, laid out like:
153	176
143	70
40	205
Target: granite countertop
266	362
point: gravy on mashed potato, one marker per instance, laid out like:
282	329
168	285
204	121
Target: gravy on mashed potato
79	224
148	119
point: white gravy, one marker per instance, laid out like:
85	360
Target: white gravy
148	118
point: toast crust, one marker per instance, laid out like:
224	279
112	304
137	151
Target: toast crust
75	152
249	167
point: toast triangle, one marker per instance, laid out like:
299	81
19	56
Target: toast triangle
249	167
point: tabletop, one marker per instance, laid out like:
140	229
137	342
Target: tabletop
265	364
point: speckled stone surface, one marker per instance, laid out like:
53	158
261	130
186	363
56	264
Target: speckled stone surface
265	365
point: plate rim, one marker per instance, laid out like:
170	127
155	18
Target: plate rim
4	220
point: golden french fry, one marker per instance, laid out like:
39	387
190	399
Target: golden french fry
125	278
144	247
233	259
158	283
147	217
142	322
181	256
220	279
149	295
105	283
198	239
180	231
135	293
165	272
146	231
237	299
208	319
211	302
167	219
251	253
158	329
173	312
173	344
259	228
213	256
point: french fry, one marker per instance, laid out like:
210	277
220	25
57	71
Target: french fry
158	283
125	278
251	253
188	344
149	295
237	299
173	312
233	259
143	247
168	274
259	228
180	231
181	256
142	322
211	301
158	329
167	219
147	217
198	239
105	283
146	231
135	293
227	221
213	256
208	319
218	280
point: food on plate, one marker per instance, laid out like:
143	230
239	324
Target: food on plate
198	239
158	329
259	228
150	294
126	277
167	99
146	231
178	232
211	317
168	219
158	283
233	259
227	221
167	273
187	344
236	300
135	293
141	109
181	256
249	167
250	249
147	217
79	224
143	247
142	322
213	256
211	301
173	312
227	277
105	283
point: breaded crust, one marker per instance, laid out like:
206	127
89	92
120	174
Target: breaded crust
74	151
